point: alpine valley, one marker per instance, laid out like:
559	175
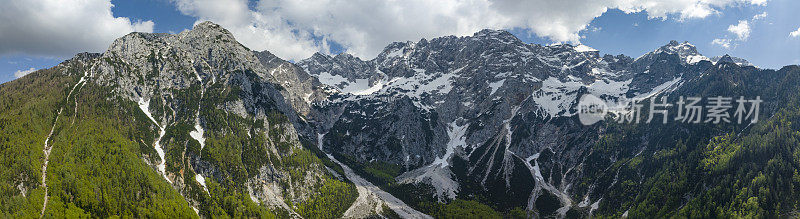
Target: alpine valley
485	126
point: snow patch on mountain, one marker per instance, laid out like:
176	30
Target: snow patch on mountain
584	48
370	90
332	80
457	139
371	196
692	59
437	174
542	184
496	85
202	180
144	106
664	87
441	178
197	134
422	83
609	87
686	51
556	97
395	53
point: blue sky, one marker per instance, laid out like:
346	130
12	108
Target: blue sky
767	45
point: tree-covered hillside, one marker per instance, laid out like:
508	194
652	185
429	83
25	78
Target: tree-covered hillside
74	145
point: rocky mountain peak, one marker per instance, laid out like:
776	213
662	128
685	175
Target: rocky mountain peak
317	59
673	43
395	49
498	35
210	29
209	25
682	48
319	55
130	44
686	51
731	59
268	59
347	57
725	58
143	62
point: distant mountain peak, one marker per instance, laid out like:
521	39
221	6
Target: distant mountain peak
730	59
346	56
210	26
584	48
726	58
491	32
500	35
686	51
675	43
212	30
684	48
320	56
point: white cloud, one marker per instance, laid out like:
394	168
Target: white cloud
61	27
294	29
724	43
742	30
21	73
760	16
759	2
258	31
795	33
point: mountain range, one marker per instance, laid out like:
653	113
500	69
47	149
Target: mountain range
485	126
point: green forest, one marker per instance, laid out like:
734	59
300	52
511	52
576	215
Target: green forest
102	156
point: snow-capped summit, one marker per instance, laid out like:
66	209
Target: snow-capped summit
731	59
500	35
482	98
584	48
686	51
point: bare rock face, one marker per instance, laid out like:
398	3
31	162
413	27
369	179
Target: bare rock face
203	78
300	88
485	115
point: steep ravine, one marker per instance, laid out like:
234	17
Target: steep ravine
367	194
48	147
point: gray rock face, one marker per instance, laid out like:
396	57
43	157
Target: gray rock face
206	54
203	78
731	59
486	114
300	88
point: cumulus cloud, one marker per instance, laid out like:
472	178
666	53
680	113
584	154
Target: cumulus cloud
21	73
724	43
294	29
760	16
258	31
741	30
61	27
795	33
